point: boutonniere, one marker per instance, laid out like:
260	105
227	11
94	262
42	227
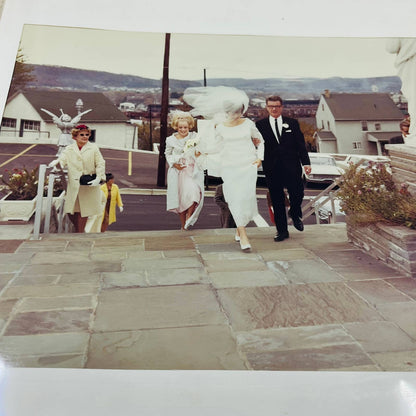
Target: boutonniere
285	125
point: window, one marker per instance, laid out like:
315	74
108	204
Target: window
8	122
323	107
323	124
377	126
31	125
329	126
364	126
356	145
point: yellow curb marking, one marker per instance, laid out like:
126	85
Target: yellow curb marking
18	155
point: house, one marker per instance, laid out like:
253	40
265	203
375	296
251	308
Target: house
24	122
356	123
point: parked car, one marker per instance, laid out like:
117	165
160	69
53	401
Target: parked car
324	169
364	161
325	210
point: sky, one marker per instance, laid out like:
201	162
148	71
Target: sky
230	56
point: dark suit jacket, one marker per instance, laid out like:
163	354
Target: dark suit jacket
290	154
396	140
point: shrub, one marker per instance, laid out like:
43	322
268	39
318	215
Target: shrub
370	195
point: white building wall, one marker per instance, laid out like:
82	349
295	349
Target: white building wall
20	109
118	135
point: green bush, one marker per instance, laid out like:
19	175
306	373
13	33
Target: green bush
369	194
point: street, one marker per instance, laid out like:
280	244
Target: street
148	212
141	212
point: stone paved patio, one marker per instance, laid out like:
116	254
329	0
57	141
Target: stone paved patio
192	300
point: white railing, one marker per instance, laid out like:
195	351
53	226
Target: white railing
48	207
317	202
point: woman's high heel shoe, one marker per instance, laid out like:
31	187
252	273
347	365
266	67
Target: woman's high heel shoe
245	247
237	238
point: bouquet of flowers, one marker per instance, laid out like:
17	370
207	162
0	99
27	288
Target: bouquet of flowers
190	147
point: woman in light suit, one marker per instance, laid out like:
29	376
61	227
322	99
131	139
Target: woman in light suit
82	158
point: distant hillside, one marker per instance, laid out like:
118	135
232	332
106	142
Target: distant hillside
57	77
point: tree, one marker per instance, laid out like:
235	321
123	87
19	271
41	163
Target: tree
308	131
22	74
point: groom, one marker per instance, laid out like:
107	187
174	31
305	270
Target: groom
284	154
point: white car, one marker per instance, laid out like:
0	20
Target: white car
324	169
325	209
364	161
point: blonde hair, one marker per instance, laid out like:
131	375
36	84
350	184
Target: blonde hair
178	116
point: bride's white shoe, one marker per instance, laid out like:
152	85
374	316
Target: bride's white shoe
237	238
245	247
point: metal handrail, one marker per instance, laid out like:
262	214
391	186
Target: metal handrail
312	207
50	209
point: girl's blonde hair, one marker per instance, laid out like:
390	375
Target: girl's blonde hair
178	116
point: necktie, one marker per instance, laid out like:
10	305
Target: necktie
277	130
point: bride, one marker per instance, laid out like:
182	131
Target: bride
239	147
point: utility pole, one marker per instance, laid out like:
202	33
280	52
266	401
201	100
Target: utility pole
164	115
205	77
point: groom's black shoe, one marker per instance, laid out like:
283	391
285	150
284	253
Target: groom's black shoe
298	224
281	236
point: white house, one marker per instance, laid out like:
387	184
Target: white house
24	122
356	123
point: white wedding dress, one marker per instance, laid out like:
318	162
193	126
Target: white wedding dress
236	156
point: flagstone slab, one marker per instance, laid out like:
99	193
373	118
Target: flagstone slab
5	278
124	279
256	278
356	265
37	291
29	323
194	348
219	248
164	277
310	359
161	243
44	344
21	258
287	254
51	361
57	303
9	246
157	307
42	246
380	336
6	308
407	285
12	267
84	246
293	306
60	258
110	256
377	292
92	279
305	271
228	262
52	269
178	253
34	280
283	339
396	361
116	242
403	314
134	264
